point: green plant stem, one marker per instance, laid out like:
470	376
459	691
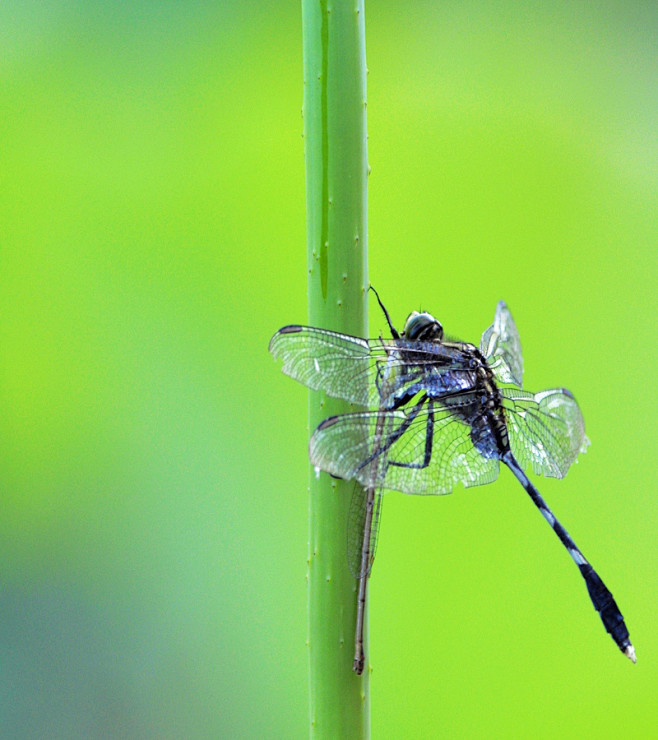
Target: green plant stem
336	201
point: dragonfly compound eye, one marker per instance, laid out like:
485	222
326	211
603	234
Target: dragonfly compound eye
422	327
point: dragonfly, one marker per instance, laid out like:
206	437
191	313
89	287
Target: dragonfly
439	413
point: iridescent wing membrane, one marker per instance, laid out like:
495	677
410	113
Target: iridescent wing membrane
408	458
546	429
501	345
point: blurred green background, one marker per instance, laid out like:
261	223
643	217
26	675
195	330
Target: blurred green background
153	463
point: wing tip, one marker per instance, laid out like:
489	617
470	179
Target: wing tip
290	329
329	422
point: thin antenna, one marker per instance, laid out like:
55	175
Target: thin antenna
394	331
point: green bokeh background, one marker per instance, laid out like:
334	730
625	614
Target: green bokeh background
153	461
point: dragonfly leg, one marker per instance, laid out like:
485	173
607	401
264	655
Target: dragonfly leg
409	393
429	439
601	597
359	656
394	436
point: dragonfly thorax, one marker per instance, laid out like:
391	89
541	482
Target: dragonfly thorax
422	327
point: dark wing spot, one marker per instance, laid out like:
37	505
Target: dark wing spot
328	422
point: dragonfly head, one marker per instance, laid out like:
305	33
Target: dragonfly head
422	327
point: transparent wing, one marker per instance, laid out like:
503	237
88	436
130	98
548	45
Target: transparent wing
501	345
547	430
355	525
361	371
338	364
426	451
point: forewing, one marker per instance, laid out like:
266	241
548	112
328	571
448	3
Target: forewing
501	345
547	430
338	364
355	530
389	449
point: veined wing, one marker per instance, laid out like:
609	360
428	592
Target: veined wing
547	431
501	345
355	526
361	371
420	451
340	365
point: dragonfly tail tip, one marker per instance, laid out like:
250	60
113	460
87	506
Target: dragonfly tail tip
630	653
